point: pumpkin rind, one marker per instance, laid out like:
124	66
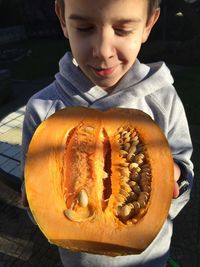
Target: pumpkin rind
72	179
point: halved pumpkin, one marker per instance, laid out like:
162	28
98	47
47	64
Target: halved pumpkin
100	182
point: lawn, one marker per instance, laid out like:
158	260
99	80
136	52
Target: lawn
42	56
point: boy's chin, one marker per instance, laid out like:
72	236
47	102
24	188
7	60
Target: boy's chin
105	83
106	86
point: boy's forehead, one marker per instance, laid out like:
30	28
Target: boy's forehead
119	8
83	3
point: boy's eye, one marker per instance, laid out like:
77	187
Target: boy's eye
84	29
123	32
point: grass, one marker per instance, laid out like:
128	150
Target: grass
43	62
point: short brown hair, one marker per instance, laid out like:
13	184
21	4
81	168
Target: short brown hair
62	4
153	4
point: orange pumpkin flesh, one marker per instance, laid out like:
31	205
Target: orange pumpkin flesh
87	170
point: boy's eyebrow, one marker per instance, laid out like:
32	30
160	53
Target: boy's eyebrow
118	20
78	17
126	21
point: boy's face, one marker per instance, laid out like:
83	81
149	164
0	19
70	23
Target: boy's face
105	36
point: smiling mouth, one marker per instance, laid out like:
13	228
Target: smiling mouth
103	72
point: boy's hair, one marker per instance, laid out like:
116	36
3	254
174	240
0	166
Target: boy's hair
62	4
153	4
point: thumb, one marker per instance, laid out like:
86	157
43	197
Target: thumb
176	190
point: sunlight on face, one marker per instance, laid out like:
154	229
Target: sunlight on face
106	36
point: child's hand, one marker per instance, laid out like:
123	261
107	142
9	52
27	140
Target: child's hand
177	174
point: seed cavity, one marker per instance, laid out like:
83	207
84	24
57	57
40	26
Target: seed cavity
107	191
75	188
135	170
135	177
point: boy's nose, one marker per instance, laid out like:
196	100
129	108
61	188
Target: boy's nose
103	47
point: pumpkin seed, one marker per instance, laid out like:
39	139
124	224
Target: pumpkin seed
117	136
83	198
124	179
124	171
143	196
139	158
123	153
89	129
126	211
127	147
124	164
136	189
73	216
120	130
123	193
120	200
132	149
127	135
142	203
146	188
133	165
132	197
132	184
133	134
136	206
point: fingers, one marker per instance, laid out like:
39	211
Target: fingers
176	190
177	172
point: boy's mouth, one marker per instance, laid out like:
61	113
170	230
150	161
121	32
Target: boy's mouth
104	71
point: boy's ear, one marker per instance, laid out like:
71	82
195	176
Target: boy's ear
150	25
60	12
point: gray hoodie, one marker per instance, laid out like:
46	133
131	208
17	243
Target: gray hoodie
145	87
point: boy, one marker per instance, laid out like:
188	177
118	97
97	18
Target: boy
102	72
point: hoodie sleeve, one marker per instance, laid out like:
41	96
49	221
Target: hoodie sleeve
180	142
37	110
34	115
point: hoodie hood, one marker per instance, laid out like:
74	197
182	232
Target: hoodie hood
141	80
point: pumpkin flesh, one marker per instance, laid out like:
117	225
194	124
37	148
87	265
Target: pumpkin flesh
86	195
